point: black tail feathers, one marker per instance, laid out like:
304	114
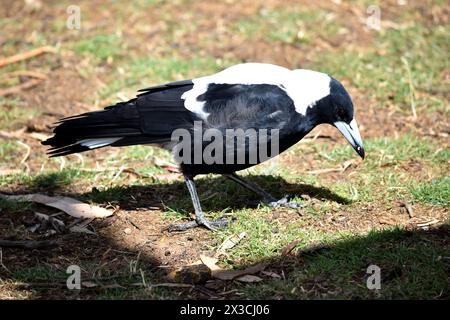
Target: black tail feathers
119	125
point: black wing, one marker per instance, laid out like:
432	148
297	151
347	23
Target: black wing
150	118
259	106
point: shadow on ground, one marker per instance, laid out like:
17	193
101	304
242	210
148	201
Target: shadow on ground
113	267
174	194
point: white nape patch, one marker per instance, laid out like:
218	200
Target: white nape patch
97	143
304	87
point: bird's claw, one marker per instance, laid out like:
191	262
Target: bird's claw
284	202
205	223
202	222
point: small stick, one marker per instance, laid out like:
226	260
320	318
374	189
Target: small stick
16	89
28	244
118	173
13	135
27	155
411	88
26	73
428	223
408	209
132	223
26	55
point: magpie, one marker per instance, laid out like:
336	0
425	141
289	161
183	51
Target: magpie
266	103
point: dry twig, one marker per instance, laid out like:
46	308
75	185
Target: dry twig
23	86
26	55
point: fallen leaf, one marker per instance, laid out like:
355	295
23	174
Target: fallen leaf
271	274
88	284
229	243
81	229
70	206
222	274
288	249
57	224
42	217
43	222
249	278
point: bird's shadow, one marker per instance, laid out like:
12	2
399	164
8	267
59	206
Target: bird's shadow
216	193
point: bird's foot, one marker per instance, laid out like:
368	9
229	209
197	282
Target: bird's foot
284	202
202	222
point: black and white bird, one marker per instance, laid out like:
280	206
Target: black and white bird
251	97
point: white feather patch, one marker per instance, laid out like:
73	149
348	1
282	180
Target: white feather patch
97	143
304	87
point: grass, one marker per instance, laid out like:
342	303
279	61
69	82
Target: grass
381	72
291	26
435	192
144	72
340	269
100	47
38	273
13	114
9	151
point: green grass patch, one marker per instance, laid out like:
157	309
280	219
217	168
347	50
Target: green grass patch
38	273
54	180
384	77
340	268
435	192
145	72
384	151
385	174
101	47
293	26
9	151
13	114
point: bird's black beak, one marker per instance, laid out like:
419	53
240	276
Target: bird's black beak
351	133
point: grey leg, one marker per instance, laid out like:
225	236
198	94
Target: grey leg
268	198
200	219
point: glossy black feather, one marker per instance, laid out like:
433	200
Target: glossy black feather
153	115
149	118
237	106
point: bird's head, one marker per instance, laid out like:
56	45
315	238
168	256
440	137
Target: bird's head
335	107
342	116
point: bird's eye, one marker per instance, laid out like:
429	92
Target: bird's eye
341	113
